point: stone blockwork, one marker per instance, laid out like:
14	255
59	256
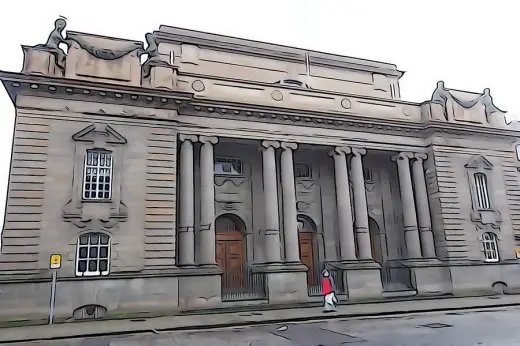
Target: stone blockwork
25	197
160	199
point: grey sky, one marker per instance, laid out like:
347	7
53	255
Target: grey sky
468	44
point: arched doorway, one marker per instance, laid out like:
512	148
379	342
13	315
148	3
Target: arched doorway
307	242
230	230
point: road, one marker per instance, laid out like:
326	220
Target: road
492	327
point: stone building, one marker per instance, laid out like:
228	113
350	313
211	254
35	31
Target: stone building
210	171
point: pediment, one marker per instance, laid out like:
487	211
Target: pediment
479	161
99	133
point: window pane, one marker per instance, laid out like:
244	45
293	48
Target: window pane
83	252
83	240
103	252
93	252
94	238
103	265
104	239
82	266
92	266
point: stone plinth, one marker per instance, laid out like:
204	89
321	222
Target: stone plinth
160	76
362	279
286	282
40	61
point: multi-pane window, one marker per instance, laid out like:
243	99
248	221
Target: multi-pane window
227	166
302	170
481	189
97	178
489	240
93	255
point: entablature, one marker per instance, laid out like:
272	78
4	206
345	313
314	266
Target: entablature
185	103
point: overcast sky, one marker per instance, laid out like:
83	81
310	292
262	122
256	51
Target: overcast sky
470	45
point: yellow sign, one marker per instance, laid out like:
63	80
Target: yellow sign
517	250
55	261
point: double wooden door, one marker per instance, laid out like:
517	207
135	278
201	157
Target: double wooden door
230	257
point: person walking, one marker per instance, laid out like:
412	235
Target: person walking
328	288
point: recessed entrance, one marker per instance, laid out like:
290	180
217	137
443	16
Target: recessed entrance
307	241
230	230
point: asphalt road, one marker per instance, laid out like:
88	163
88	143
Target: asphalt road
494	327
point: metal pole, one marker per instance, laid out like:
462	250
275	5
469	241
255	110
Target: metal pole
53	296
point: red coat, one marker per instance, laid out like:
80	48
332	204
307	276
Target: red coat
326	286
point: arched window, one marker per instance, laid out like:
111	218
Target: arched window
489	240
93	255
482	193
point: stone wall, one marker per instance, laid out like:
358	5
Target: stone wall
45	212
452	196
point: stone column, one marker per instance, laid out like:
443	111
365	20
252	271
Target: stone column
186	236
290	222
272	223
360	204
411	232
344	210
423	208
207	245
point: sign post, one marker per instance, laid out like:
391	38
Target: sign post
54	265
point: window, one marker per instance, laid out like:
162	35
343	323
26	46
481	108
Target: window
93	254
302	170
517	149
226	166
489	240
97	177
482	191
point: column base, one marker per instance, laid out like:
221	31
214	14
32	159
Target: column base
200	287
430	276
361	279
285	282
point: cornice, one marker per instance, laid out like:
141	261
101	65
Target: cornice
185	104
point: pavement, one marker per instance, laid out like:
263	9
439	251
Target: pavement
487	327
113	328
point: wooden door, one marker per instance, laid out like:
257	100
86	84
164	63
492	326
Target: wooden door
230	257
307	255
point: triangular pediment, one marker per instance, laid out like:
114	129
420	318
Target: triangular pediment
96	133
479	161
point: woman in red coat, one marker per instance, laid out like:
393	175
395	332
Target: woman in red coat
328	289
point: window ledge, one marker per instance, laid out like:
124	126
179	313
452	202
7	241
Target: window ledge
96	201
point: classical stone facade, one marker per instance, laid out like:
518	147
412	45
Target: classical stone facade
220	171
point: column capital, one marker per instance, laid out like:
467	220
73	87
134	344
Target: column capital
287	146
404	155
420	156
270	144
358	151
340	151
208	139
191	138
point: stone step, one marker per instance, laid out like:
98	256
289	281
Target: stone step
401	293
